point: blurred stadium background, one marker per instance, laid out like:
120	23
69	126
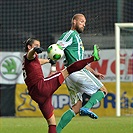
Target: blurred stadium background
47	20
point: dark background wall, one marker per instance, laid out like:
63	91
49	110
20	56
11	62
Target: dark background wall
7	100
44	19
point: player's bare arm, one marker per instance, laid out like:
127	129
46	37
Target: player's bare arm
90	69
43	61
97	74
31	54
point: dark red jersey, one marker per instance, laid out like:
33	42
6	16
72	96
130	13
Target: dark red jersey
40	88
32	71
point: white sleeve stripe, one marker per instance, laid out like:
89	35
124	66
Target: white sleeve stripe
78	46
67	35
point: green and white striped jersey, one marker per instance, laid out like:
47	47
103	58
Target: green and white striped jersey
72	45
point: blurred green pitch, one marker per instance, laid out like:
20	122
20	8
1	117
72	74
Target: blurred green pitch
79	124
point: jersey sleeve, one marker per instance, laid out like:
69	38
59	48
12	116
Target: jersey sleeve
66	39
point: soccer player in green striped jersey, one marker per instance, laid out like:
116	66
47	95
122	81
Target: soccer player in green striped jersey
84	81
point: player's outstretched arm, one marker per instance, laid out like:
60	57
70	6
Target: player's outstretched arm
44	61
31	52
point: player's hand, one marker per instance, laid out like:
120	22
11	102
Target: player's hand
99	76
38	50
51	62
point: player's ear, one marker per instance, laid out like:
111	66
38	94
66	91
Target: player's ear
74	21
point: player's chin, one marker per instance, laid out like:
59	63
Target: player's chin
81	30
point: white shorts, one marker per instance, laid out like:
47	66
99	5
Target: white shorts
81	82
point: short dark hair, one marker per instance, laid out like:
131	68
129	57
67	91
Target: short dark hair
29	41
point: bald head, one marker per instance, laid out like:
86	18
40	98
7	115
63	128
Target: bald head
78	22
77	16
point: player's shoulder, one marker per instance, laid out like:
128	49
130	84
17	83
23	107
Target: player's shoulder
69	32
67	36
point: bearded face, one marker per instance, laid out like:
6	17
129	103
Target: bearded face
79	24
79	29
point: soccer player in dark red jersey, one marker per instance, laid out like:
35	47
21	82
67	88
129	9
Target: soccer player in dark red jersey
40	88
